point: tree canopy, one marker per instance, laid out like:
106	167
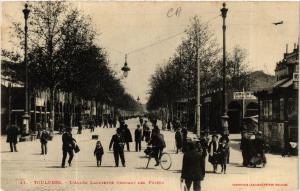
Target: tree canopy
63	56
178	78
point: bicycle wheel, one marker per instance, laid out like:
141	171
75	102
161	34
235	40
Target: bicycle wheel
165	161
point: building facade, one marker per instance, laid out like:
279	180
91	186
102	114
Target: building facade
278	116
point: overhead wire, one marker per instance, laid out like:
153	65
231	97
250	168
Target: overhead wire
157	42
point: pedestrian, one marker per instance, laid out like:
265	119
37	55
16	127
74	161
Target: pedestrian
141	120
114	122
79	127
69	144
193	170
155	130
127	136
204	146
12	137
223	153
146	132
225	136
105	123
117	143
138	138
260	145
245	147
44	140
158	144
178	140
184	136
169	125
98	152
92	125
110	121
213	148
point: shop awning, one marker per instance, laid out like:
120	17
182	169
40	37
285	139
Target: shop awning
280	82
287	84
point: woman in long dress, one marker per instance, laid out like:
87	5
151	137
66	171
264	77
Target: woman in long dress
212	149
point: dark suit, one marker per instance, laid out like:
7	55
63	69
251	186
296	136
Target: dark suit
117	143
12	138
158	143
44	140
68	146
138	139
193	169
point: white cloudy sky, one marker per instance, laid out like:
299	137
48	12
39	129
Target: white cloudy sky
126	26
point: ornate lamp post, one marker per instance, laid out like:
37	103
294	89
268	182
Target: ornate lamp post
125	68
225	117
26	116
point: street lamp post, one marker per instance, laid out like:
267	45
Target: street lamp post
225	117
26	116
125	68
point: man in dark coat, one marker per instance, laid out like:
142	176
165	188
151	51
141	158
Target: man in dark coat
117	143
127	137
184	137
12	137
44	140
141	120
67	147
79	127
245	147
158	143
178	139
138	138
146	131
193	170
126	134
155	130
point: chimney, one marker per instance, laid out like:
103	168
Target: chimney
286	51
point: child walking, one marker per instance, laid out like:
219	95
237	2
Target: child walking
98	152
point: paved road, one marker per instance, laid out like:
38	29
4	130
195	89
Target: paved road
28	170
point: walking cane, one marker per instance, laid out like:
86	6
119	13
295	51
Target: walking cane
182	185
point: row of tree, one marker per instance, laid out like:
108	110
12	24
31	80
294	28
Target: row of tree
63	56
178	78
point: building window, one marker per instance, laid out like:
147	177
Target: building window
292	108
261	109
281	109
265	103
276	109
270	109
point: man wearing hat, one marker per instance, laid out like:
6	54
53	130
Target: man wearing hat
225	137
193	170
44	140
178	140
68	146
117	142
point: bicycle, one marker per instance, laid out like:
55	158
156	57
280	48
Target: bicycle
165	158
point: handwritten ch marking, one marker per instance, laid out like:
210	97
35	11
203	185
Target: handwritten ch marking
174	12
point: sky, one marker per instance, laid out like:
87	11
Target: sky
124	27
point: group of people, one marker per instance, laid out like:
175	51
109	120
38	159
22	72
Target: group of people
107	122
123	136
180	139
119	139
219	152
253	149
